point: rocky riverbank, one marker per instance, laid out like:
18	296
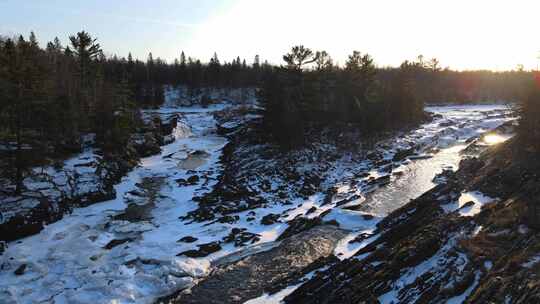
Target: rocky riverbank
269	271
55	189
452	244
221	201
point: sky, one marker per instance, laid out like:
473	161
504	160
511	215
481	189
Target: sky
462	34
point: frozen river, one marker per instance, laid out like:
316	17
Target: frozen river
125	250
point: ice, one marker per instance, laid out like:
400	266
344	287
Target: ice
195	268
532	262
71	253
68	262
461	298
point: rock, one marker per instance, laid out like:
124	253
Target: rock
467	204
298	225
402	154
193	253
229	219
20	270
115	243
241	237
193	179
348	200
146	144
270	219
381	181
210	247
266	271
188	239
203	251
329	195
332	223
368	217
311	210
200	153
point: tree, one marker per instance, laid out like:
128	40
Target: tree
298	57
183	60
256	62
323	61
85	49
359	78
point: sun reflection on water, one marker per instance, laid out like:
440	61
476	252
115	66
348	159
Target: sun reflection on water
493	139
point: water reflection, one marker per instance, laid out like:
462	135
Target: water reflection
416	179
493	139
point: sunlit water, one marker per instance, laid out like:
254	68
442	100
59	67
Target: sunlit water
416	177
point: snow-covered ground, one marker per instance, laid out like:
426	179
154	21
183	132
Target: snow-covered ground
68	261
105	254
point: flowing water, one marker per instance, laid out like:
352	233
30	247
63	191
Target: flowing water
416	176
79	260
413	179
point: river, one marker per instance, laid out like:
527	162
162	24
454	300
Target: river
103	253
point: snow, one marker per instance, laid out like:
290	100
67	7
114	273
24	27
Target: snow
67	261
196	268
345	249
532	262
275	298
358	223
461	298
479	200
476	198
436	265
278	297
71	264
523	229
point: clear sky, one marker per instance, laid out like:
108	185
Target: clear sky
462	34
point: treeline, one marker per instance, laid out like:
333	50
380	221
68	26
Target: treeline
310	90
51	97
149	77
54	98
437	85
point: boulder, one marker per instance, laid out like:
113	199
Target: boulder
270	219
20	270
188	239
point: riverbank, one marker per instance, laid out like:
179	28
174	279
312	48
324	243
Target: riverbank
472	239
218	191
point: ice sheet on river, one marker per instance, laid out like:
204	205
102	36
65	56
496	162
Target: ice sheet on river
94	256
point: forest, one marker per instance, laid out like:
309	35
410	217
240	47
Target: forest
319	177
54	97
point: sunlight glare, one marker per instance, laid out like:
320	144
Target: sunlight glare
493	139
